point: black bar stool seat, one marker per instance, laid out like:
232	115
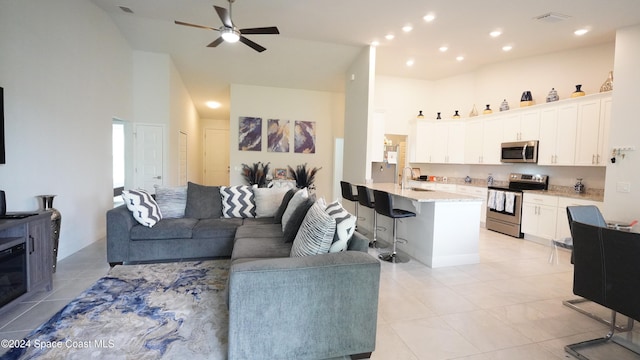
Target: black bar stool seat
364	198
347	193
383	202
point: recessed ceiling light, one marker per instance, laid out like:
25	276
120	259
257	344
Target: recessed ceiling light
429	17
581	32
495	33
507	48
410	62
213	104
389	36
407	28
375	43
443	48
460	58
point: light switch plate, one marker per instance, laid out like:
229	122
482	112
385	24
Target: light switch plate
623	187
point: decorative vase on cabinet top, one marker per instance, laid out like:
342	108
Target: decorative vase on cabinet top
474	111
578	91
504	106
456	115
608	84
420	115
526	99
487	110
553	95
438	117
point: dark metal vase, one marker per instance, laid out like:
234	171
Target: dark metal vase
46	203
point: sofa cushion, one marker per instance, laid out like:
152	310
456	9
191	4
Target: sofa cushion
171	200
316	233
268	200
259	231
345	226
203	202
277	217
262	248
290	231
216	228
298	198
143	207
238	201
165	229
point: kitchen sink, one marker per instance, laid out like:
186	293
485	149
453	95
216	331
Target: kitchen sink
420	189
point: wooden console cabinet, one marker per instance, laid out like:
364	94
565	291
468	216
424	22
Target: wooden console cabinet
35	232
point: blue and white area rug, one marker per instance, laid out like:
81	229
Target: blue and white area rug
152	311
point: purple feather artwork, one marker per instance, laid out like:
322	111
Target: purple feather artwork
250	134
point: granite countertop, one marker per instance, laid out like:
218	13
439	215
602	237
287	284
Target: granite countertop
421	195
591	196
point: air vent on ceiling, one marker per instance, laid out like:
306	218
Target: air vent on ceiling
551	17
126	9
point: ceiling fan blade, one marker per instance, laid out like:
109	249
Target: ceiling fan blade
216	42
224	16
195	26
253	45
260	30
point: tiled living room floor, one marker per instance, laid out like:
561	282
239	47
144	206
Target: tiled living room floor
507	307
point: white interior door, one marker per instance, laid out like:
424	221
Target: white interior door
216	157
149	156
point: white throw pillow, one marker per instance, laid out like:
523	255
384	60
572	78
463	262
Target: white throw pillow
268	200
315	234
297	199
143	207
345	226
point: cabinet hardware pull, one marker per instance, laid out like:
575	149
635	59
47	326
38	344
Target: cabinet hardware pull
32	240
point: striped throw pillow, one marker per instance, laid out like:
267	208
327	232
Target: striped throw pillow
345	226
143	207
315	234
238	201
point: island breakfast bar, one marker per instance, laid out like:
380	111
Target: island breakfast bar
445	231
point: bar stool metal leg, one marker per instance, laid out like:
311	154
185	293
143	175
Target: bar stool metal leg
393	256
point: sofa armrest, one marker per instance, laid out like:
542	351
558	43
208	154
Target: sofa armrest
119	224
308	307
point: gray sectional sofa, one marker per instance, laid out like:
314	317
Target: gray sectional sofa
280	307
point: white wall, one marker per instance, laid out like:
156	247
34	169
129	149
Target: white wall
625	128
325	108
66	71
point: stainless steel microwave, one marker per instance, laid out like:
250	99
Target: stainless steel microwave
519	152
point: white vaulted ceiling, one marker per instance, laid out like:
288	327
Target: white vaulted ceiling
319	39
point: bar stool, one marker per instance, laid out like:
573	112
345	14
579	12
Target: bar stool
347	193
384	206
364	198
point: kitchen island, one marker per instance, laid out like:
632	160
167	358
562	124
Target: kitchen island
445	231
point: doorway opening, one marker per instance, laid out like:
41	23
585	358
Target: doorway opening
118	154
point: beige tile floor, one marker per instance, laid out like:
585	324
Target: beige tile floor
507	307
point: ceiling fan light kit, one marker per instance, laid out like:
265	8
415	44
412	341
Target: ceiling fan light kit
230	33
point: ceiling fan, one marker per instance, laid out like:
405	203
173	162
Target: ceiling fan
230	33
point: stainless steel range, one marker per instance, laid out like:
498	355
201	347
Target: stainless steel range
504	204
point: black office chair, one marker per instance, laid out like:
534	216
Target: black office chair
384	206
591	215
347	193
364	199
606	272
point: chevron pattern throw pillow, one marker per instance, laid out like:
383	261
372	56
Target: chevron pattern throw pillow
143	207
238	201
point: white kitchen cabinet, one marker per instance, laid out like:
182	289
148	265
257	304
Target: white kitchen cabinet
592	131
447	142
473	145
522	126
491	140
479	192
539	214
421	142
558	135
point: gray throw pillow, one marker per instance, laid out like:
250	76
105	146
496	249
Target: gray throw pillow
298	198
172	201
277	218
315	234
297	216
203	202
